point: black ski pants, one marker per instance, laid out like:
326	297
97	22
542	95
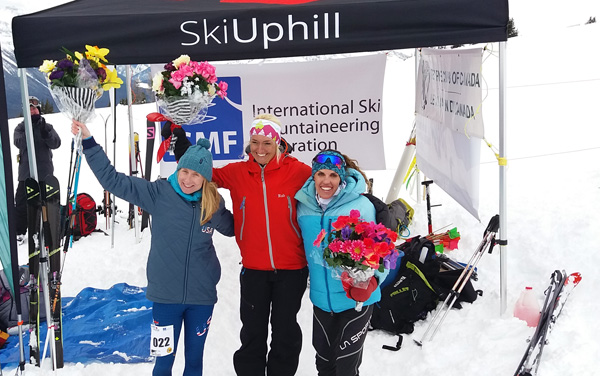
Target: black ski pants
21	208
274	295
338	339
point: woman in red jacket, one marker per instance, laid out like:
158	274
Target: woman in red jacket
274	273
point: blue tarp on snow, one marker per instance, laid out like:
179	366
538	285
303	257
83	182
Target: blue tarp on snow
98	326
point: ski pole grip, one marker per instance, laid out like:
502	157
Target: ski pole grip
494	224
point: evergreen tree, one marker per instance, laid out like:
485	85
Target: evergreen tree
47	107
512	30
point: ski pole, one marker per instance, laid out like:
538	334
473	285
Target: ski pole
426	183
489	237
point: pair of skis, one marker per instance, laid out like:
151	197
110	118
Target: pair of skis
557	293
44	225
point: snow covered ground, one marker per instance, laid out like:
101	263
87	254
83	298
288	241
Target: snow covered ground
553	185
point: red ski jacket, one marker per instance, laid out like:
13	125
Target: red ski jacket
264	211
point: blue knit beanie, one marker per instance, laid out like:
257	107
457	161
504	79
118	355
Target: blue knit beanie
330	160
198	158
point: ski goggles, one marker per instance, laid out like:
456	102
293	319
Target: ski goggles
334	159
33	101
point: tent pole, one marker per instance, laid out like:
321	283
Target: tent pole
33	172
502	233
12	269
28	126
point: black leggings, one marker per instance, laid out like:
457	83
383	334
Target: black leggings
338	339
274	295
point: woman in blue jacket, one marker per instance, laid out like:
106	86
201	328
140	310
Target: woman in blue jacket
339	330
182	269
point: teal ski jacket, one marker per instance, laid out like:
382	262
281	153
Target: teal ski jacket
326	291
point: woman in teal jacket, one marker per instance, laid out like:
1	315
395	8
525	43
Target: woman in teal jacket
339	330
182	269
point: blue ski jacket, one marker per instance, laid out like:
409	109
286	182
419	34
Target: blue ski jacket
182	267
326	292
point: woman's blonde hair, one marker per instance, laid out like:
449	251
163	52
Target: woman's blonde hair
210	201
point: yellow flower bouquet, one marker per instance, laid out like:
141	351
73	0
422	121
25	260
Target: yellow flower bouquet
78	80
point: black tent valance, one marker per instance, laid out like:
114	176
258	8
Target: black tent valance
157	31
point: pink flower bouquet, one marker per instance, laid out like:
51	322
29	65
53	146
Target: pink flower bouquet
357	248
186	88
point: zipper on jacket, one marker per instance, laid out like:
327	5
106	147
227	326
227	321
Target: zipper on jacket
189	250
289	199
326	269
243	208
264	186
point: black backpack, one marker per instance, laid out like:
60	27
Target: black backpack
411	294
417	288
395	216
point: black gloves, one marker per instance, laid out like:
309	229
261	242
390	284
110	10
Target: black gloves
166	130
181	143
44	128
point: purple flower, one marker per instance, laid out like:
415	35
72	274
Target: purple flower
65	64
389	261
56	75
346	232
101	73
170	67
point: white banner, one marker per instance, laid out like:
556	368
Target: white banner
449	122
449	89
451	160
325	104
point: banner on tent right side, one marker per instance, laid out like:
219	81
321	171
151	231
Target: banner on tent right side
449	122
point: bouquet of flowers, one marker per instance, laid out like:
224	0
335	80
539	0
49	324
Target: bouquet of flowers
78	80
185	89
357	248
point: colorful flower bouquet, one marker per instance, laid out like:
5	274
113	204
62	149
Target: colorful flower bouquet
186	88
77	81
357	248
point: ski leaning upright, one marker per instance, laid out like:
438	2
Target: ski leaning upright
51	202
557	294
150	136
34	213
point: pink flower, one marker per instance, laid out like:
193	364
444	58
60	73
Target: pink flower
320	237
335	246
186	70
176	83
355	248
222	92
178	75
355	214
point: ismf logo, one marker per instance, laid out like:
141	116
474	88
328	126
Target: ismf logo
222	125
283	2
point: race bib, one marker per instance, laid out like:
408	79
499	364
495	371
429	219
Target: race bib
161	340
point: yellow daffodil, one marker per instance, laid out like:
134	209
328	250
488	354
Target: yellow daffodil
112	80
97	53
47	66
157	83
181	59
